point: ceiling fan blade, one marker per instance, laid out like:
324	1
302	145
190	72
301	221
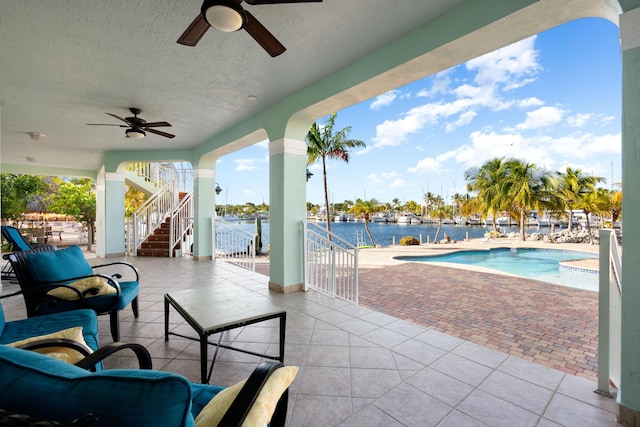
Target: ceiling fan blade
253	2
159	132
120	118
263	36
106	124
194	32
157	125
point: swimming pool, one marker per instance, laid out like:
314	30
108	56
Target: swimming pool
538	264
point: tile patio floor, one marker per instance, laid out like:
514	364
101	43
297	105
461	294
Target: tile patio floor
359	367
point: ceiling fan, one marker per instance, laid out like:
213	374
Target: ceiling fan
137	126
229	16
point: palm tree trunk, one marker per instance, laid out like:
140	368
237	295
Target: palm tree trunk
326	195
522	236
570	226
586	214
435	238
366	227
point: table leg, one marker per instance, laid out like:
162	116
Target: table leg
283	329
166	319
203	359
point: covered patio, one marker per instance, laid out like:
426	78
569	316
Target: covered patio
67	63
359	367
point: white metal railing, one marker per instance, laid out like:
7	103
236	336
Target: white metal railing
234	244
129	240
165	203
181	225
153	212
160	174
331	263
610	313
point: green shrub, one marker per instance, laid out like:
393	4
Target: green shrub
409	241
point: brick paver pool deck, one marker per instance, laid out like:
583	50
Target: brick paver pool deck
552	325
548	324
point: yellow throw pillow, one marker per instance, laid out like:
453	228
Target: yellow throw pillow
262	410
61	353
83	285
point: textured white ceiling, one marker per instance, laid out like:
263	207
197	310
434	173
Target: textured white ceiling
65	63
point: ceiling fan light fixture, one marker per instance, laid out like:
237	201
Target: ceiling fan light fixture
135	133
223	15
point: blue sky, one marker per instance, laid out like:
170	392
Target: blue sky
553	99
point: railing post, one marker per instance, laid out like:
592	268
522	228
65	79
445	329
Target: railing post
604	341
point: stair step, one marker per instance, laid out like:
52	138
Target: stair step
158	238
154	252
155	245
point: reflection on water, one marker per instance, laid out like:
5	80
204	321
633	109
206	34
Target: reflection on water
384	233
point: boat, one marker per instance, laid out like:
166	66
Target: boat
340	217
474	220
379	217
487	221
415	220
404	218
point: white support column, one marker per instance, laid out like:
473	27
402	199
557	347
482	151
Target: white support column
287	201
101	246
113	226
204	184
629	392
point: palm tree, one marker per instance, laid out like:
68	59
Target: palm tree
440	212
396	203
616	206
364	209
593	201
485	181
323	144
412	206
527	187
573	185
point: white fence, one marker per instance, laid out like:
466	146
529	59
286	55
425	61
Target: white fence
234	244
331	263
610	312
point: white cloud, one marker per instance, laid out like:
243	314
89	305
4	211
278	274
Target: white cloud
513	65
464	119
426	166
397	183
530	102
245	165
373	178
384	100
542	117
440	85
579	120
583	146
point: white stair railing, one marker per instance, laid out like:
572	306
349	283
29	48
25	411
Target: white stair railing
331	263
181	226
165	203
610	313
153	212
158	173
234	244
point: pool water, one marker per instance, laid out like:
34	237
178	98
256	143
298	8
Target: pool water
538	264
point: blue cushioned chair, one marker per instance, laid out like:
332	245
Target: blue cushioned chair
41	270
46	388
19	330
18	243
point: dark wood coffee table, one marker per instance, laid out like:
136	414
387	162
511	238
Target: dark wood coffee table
210	311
